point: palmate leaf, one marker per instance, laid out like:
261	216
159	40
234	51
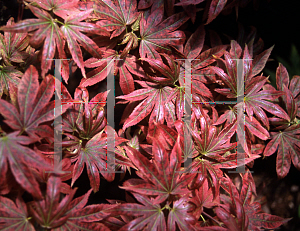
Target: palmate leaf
72	29
211	143
290	99
240	212
12	46
255	99
14	216
111	59
48	31
170	72
211	146
162	178
67	214
97	159
155	101
201	76
59	7
288	144
157	35
34	107
150	215
251	127
20	159
9	77
116	15
179	215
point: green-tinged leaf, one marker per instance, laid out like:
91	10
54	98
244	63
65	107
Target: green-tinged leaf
116	15
14	216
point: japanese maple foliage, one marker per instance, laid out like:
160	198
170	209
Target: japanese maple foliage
179	146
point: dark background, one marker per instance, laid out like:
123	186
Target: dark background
277	23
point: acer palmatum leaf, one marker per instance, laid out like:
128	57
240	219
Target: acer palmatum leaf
33	107
116	15
14	215
147	214
9	79
247	213
65	214
287	142
155	101
97	159
48	32
21	159
72	30
157	34
161	178
12	46
111	59
59	7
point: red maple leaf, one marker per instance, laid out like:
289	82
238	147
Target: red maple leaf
154	100
111	59
14	215
157	35
21	159
161	177
32	107
240	212
67	214
48	30
116	15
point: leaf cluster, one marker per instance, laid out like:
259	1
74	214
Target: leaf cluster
174	133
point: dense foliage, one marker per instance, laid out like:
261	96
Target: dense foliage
145	45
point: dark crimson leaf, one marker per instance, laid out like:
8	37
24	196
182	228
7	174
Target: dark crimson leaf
260	61
255	99
287	143
257	219
171	73
282	77
48	31
203	198
179	215
125	67
95	155
195	43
